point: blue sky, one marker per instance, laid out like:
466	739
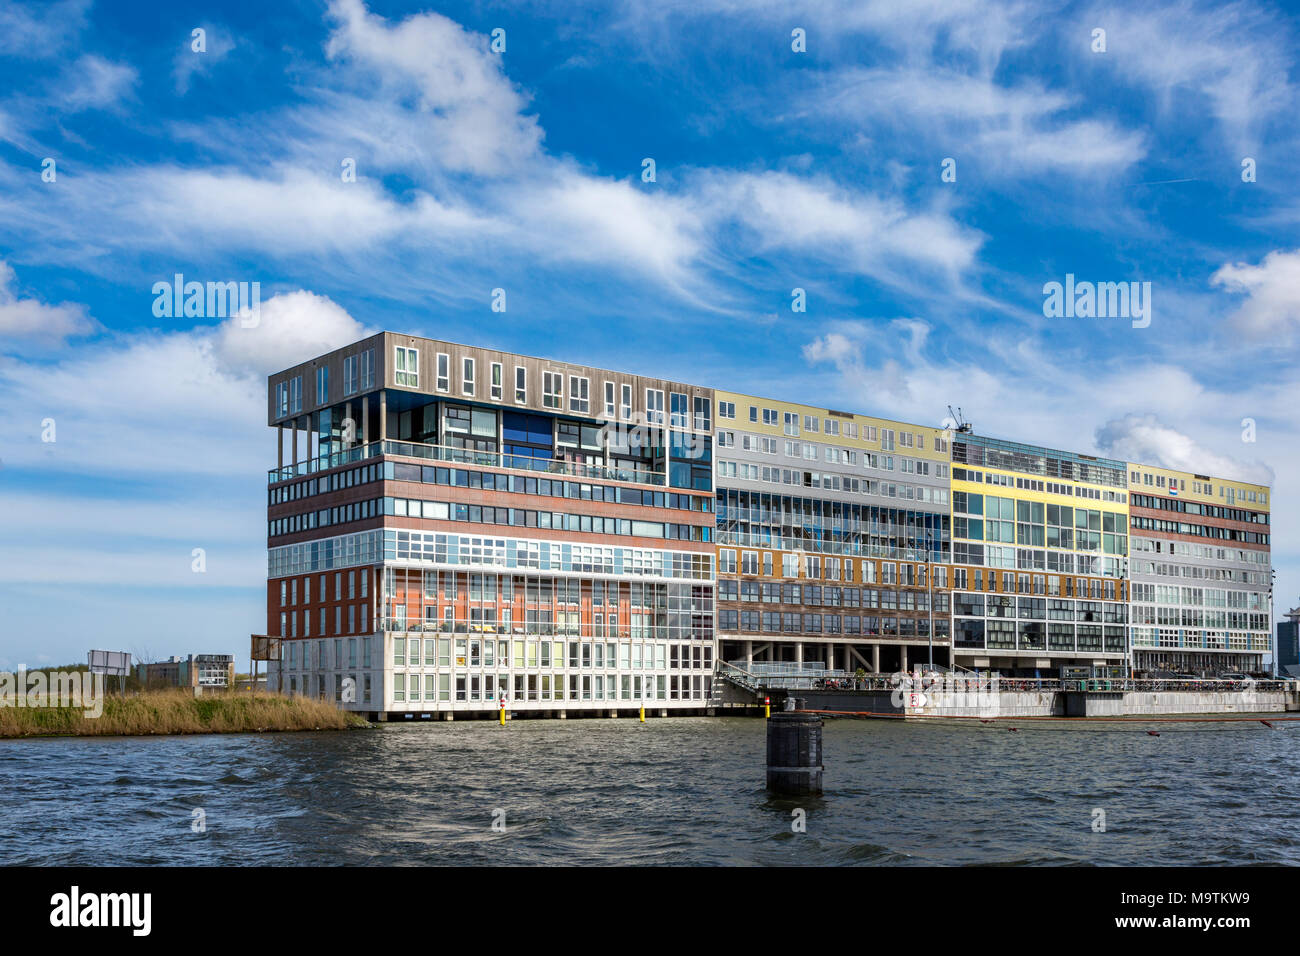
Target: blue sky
521	170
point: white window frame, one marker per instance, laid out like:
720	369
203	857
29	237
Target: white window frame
467	377
679	419
350	378
402	355
521	390
579	394
366	376
654	412
497	381
442	374
556	379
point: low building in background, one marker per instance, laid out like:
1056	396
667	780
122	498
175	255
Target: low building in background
1287	661
203	672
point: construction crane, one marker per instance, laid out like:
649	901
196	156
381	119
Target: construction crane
958	424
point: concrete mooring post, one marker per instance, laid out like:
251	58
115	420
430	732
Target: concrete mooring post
794	752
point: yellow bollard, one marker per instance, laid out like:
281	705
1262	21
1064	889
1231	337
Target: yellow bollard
767	707
503	715
643	713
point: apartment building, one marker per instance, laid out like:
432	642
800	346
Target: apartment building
457	527
834	537
1040	555
451	528
1201	572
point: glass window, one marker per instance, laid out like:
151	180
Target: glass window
407	367
552	390
579	397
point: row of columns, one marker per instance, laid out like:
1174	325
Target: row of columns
849	654
292	426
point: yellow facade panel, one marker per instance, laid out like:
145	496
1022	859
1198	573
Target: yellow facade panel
926	434
1150	480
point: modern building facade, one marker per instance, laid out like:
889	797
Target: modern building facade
1040	545
462	527
834	537
452	528
1201	572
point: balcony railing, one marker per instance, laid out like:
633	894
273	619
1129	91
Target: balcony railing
467	456
534	629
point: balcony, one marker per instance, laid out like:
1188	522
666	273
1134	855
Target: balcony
465	456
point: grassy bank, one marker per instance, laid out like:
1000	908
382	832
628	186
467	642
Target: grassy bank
178	712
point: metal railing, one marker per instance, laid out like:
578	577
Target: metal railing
782	668
1208	686
533	629
761	676
758	540
466	456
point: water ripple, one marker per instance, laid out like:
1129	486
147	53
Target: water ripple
672	792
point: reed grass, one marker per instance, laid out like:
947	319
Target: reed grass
179	712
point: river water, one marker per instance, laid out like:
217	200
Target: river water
671	791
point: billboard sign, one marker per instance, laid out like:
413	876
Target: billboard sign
265	648
110	663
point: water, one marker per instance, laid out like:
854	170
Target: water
672	791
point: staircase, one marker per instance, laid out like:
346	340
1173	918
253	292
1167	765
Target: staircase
737	677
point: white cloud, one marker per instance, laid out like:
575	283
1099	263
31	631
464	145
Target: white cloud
189	403
973	117
833	347
1272	290
580	217
1231	59
426	96
39	30
1144	438
978	30
1055	397
93	82
291	327
1082	146
449	78
32	320
287	210
859	231
189	62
